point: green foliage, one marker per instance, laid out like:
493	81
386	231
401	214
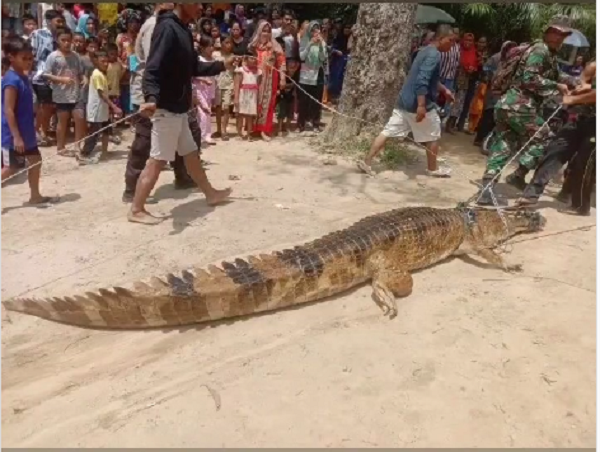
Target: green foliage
519	22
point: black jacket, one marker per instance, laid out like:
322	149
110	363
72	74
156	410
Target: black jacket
171	65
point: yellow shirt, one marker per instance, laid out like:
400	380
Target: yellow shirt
97	109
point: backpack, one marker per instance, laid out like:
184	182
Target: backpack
507	68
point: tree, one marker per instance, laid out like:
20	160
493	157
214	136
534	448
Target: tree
381	50
519	22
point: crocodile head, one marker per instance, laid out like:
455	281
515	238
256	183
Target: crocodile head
524	220
493	227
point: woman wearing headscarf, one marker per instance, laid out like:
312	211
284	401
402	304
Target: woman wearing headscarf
129	22
339	60
487	123
271	60
313	54
467	66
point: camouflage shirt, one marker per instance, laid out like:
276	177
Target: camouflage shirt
534	85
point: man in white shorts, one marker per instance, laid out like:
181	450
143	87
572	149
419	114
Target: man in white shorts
167	87
415	110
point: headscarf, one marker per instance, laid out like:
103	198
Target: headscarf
255	40
340	42
468	57
306	38
124	18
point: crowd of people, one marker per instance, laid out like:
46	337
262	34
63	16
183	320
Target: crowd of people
267	72
519	97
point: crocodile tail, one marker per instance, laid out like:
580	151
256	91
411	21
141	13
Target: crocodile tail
238	288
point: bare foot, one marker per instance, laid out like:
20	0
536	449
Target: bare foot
265	137
43	200
143	218
218	197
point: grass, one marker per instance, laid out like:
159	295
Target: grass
395	153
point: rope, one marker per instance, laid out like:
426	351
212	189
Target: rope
72	145
334	111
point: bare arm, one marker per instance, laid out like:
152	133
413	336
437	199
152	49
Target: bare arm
10	105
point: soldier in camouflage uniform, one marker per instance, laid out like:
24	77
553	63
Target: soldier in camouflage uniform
534	90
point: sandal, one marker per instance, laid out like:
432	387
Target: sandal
365	168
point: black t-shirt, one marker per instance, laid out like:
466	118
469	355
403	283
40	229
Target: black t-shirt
240	49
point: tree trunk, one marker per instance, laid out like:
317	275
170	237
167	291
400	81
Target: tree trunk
381	48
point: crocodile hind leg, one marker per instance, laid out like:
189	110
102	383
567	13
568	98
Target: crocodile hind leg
389	281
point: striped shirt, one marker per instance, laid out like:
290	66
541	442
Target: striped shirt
449	63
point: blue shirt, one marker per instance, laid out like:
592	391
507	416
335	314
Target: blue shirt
23	111
422	80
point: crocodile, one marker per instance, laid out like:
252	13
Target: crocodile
383	248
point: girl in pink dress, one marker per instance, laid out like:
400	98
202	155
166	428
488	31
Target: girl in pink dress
246	92
204	88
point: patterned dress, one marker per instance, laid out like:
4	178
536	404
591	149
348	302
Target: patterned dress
248	97
267	58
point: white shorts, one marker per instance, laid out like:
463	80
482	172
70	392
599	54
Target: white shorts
402	123
170	134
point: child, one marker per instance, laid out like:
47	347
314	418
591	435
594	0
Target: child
246	83
205	92
19	142
29	26
65	72
215	34
80	48
287	96
99	106
224	95
114	73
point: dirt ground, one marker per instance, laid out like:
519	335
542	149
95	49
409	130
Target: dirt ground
475	357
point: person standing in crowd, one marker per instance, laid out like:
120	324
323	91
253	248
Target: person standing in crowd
65	71
416	110
487	123
131	23
29	26
287	96
467	67
43	44
225	90
246	82
313	54
240	43
271	60
576	142
99	108
19	144
450	62
480	83
204	89
167	89
339	60
288	38
519	112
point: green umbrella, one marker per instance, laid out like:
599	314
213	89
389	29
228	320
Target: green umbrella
430	15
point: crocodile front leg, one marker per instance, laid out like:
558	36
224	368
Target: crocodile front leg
389	281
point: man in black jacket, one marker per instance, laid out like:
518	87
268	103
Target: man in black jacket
167	87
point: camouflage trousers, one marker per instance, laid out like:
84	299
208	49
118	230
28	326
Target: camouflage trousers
513	130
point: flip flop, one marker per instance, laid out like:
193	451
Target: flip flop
365	168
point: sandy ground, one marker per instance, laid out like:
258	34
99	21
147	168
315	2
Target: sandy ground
475	358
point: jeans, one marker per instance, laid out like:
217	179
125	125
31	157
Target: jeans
460	125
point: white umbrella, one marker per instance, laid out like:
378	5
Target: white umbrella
576	39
